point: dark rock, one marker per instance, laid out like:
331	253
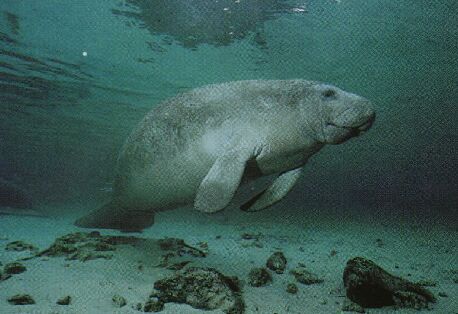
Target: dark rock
202	288
371	286
277	262
259	277
21	299
14	268
119	301
305	277
350	306
64	300
153	306
291	288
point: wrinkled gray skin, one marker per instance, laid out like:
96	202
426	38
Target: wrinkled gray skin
195	148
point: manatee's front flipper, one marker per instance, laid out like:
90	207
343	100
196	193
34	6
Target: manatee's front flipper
219	185
112	216
279	188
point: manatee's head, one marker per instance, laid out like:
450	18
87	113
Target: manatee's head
335	115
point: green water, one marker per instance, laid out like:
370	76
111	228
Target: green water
76	76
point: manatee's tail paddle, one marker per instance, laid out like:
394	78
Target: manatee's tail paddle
112	216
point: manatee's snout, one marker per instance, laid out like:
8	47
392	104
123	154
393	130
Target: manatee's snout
359	116
349	116
370	118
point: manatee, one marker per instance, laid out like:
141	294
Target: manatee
199	146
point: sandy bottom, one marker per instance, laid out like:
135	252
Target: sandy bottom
323	241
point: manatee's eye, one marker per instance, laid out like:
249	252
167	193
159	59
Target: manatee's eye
329	93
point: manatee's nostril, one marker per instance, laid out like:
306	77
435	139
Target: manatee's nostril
329	93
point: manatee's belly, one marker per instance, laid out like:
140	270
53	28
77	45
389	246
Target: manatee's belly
166	182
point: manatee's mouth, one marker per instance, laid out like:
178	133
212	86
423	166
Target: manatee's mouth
355	129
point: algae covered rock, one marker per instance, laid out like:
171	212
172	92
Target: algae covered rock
291	288
118	301
277	262
369	285
304	276
84	246
14	268
20	246
202	288
21	299
259	277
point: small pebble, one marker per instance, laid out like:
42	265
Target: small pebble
137	306
64	300
119	301
291	288
277	262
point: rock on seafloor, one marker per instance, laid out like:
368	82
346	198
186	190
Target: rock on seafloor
291	288
119	301
21	299
66	300
202	288
369	285
277	262
305	277
14	268
259	277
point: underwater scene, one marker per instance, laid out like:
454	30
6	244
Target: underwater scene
228	156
